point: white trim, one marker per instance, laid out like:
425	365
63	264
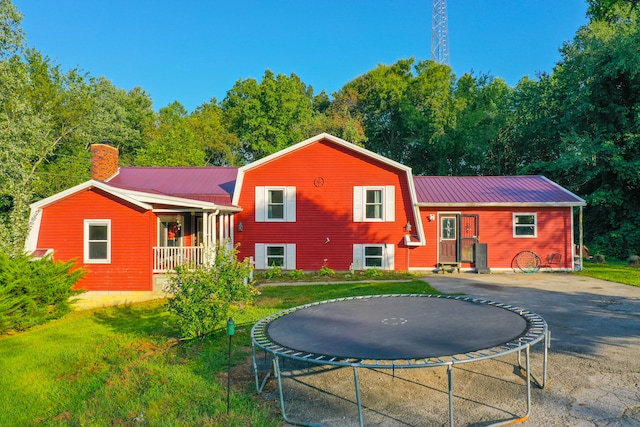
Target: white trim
387	255
289	256
535	225
88	223
262	204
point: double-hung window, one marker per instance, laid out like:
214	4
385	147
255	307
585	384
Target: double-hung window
97	241
281	255
525	225
276	204
374	203
367	256
275	256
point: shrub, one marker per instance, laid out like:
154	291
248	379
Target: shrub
273	272
201	296
34	291
326	271
373	273
295	274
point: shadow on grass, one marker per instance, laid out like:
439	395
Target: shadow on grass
142	320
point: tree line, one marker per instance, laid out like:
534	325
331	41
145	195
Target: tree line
578	125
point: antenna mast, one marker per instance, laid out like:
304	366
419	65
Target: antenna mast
439	33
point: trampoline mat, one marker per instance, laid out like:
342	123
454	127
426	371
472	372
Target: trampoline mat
396	327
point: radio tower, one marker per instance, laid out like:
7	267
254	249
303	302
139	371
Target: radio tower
439	33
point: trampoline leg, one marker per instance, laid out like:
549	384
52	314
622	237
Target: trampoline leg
259	386
278	375
528	381
357	386
450	376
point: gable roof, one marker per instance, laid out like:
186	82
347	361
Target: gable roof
214	184
491	191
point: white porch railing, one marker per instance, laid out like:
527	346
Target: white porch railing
166	259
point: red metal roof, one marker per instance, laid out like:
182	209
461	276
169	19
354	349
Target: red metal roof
211	184
492	190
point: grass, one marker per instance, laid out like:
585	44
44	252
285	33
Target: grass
122	366
613	271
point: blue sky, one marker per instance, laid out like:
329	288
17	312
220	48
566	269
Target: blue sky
194	50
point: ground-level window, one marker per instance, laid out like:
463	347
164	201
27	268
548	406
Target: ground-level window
97	241
268	255
373	256
275	256
525	225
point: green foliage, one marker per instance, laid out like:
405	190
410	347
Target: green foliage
295	274
373	273
326	271
273	272
34	292
201	296
270	115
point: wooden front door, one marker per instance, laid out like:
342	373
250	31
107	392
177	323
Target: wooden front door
458	236
448	239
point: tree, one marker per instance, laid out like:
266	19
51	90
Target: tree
270	115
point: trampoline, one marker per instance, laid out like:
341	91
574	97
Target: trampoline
397	332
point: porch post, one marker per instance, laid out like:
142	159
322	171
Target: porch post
205	226
581	240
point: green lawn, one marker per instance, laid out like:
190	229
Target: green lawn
613	271
123	366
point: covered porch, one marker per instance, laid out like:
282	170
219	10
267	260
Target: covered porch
189	237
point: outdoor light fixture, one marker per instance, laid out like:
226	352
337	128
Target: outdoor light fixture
432	217
240	226
408	227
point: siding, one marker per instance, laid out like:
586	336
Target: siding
496	229
324	211
133	234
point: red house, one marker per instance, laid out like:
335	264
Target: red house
323	201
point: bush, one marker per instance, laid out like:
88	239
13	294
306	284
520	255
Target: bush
273	272
201	296
34	291
295	274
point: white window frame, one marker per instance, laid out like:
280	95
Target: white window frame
360	258
261	255
262	204
360	203
516	225
87	242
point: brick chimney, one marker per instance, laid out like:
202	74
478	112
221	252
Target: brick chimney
104	161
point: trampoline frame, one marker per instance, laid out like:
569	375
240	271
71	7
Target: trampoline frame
536	332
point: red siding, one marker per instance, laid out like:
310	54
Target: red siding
133	234
496	229
324	211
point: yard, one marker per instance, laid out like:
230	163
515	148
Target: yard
124	366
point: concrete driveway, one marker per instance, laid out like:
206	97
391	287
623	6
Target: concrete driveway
594	359
593	371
